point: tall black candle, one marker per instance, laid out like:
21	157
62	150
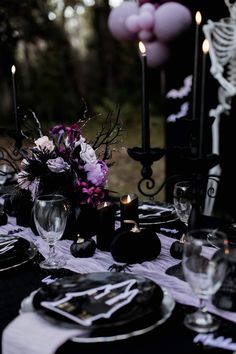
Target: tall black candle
198	19
145	100
205	49
106	225
13	71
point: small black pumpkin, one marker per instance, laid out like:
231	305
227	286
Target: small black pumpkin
83	248
177	249
135	245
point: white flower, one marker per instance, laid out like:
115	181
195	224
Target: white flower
87	154
58	165
44	143
80	141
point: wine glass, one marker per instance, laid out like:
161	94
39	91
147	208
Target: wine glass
50	217
4	173
182	201
205	267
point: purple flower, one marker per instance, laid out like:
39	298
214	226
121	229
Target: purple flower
58	165
59	131
73	133
89	194
96	173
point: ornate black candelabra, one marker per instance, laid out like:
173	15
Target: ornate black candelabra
198	167
28	127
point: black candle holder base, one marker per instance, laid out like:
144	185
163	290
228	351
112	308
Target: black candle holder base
146	158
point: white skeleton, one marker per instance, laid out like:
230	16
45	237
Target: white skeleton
222	50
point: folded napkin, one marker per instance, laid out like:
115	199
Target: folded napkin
30	333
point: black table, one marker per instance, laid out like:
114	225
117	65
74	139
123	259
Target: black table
168	338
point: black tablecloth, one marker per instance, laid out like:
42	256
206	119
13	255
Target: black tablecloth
171	337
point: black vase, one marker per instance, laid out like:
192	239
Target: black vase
19	205
87	221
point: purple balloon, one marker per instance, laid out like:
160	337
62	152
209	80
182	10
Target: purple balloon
117	19
132	23
158	54
147	8
171	20
145	36
146	20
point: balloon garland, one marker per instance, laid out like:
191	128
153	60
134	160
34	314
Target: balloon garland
155	24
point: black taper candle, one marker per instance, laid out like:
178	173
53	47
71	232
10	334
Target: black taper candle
145	101
198	19
13	71
205	49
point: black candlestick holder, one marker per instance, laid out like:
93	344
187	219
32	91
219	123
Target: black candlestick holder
146	158
196	167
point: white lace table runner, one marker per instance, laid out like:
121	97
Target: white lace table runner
15	333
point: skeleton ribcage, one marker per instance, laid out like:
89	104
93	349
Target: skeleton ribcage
223	42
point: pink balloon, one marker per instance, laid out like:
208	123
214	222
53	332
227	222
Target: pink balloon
171	20
145	36
118	17
146	20
132	23
147	7
158	54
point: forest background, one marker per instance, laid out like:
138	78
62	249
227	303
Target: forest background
66	58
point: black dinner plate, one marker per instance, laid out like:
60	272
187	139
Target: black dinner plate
21	252
230	231
153	212
143	311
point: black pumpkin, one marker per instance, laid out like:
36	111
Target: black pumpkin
176	249
83	248
135	246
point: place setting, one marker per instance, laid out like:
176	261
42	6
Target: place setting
15	251
103	306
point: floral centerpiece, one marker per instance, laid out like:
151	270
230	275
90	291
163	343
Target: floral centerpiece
64	162
66	157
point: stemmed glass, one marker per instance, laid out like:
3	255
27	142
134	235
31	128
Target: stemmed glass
50	217
182	200
204	268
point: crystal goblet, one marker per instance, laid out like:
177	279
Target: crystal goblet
50	217
204	268
182	201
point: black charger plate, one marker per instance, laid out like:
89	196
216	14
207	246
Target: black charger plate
144	313
22	252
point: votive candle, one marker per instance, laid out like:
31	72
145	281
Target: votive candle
129	208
